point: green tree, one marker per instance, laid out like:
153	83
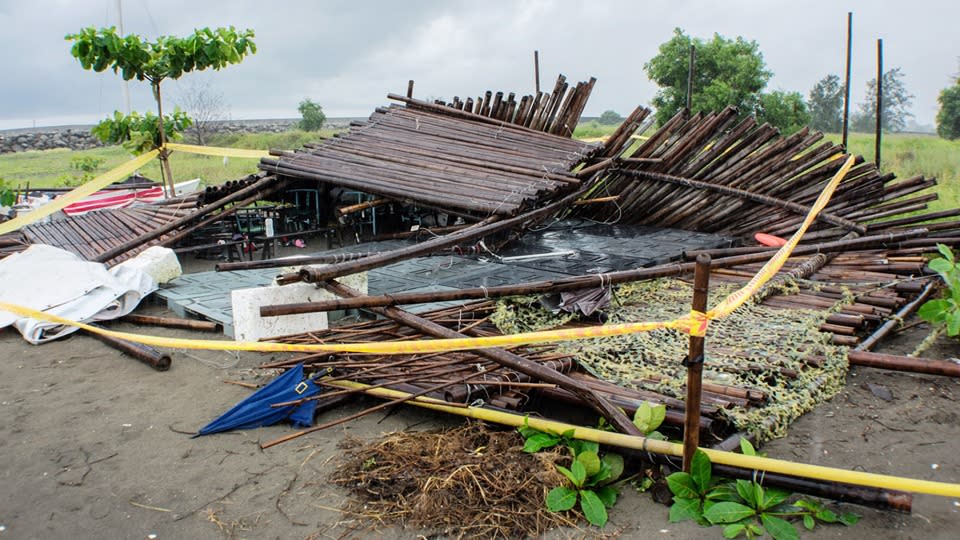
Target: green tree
610	118
948	118
784	110
169	57
826	104
728	72
896	105
312	113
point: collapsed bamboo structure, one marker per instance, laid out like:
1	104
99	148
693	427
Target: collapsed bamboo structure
503	165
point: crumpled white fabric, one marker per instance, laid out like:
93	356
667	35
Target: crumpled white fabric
59	282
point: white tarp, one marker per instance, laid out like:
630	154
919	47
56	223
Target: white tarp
61	283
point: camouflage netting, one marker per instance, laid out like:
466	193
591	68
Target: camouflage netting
778	351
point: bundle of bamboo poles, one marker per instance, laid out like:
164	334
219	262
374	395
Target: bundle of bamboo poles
95	232
711	172
423	154
557	112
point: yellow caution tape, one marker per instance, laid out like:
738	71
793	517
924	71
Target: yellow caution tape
695	323
216	151
390	347
80	193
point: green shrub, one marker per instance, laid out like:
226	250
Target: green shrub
313	117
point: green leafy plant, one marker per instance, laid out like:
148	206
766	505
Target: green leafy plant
313	117
743	507
86	165
139	134
8	196
591	475
945	312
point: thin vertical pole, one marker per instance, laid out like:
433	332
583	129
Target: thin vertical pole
691	69
536	70
879	102
691	418
125	84
846	84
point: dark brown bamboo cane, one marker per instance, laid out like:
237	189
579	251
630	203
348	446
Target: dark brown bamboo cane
173	322
695	359
904	363
891	324
148	355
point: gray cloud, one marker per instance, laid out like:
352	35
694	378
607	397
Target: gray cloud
349	55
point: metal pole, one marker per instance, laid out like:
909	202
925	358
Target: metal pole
125	84
846	84
691	68
691	421
536	71
879	101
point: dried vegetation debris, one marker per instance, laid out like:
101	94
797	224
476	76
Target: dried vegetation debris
468	482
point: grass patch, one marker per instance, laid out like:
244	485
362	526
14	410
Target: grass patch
908	155
51	168
594	130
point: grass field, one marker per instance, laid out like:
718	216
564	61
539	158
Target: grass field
51	168
910	155
905	155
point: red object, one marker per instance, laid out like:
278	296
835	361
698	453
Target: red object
113	199
769	239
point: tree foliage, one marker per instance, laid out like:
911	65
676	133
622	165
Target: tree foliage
826	104
609	118
896	105
312	113
728	72
169	57
139	134
948	118
784	110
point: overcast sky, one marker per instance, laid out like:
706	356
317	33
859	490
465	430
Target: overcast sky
347	55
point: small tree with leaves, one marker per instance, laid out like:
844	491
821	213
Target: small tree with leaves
728	72
168	57
312	113
826	104
896	105
609	118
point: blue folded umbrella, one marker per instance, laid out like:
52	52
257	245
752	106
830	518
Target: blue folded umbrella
256	411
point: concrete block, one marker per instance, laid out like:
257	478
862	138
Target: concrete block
248	325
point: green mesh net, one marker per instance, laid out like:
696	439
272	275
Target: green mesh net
779	352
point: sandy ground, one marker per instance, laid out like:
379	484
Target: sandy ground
96	445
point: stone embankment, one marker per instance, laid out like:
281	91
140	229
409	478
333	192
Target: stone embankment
80	138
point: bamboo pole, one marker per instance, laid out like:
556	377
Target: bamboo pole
172	322
846	82
904	363
895	321
691	427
